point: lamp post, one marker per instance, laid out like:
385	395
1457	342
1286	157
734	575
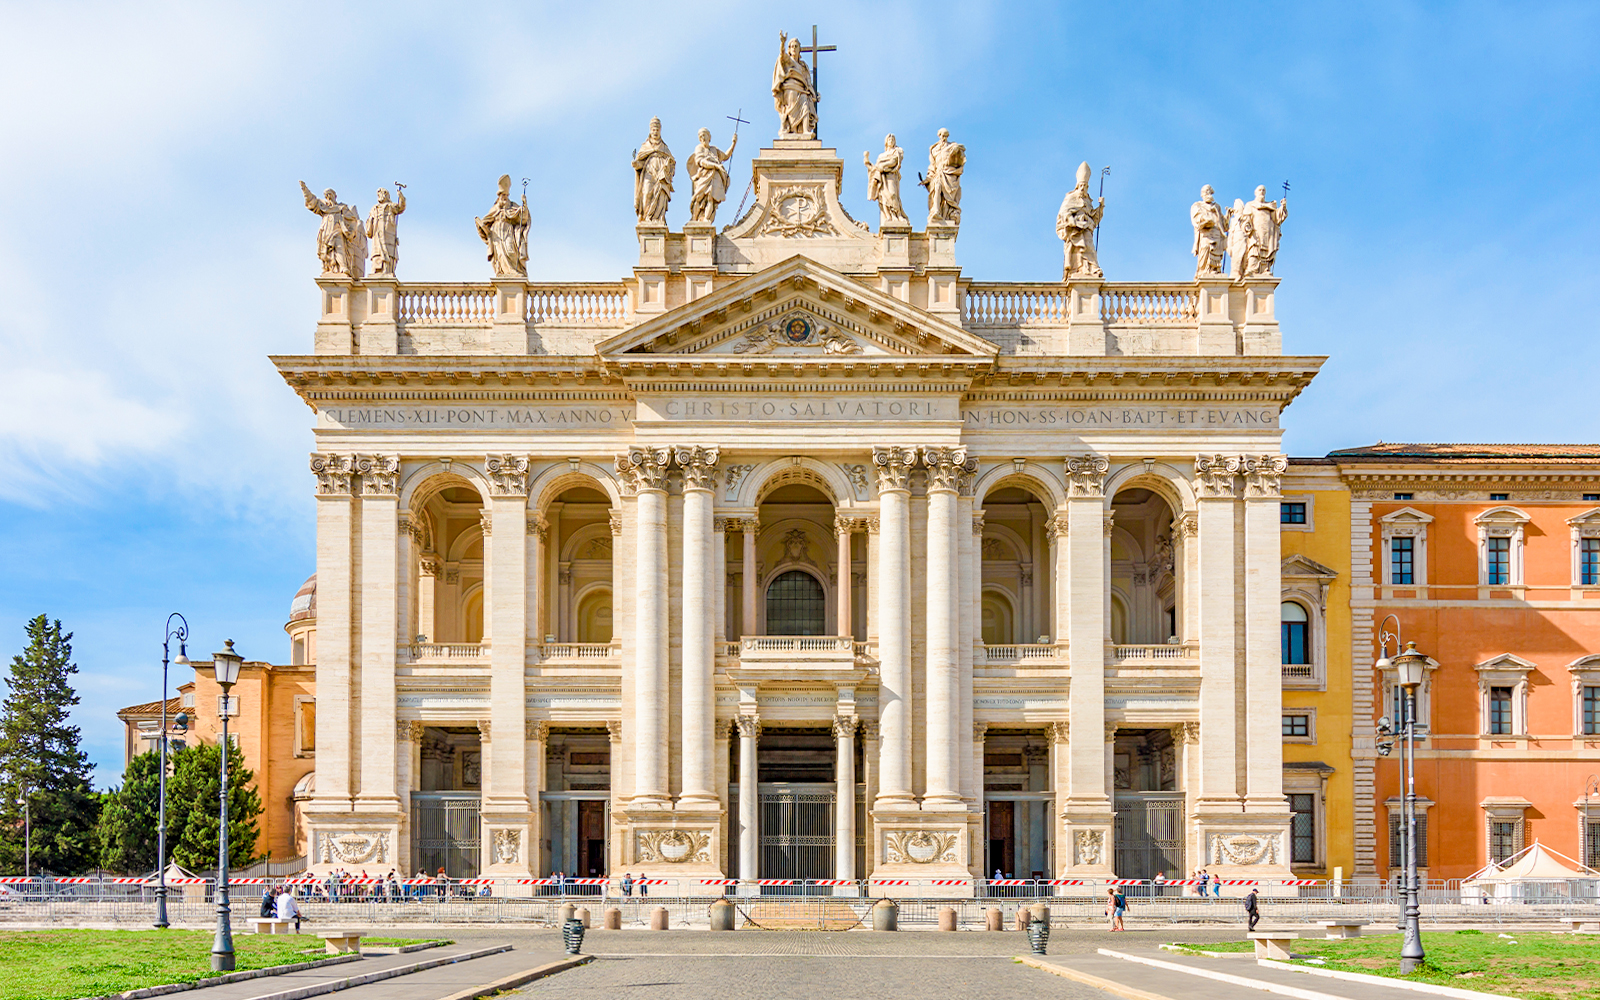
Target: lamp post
1408	668
226	667
181	633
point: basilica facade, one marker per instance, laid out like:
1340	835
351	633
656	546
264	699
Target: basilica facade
798	553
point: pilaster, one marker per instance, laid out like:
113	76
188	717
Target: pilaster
379	332
505	803
1086	327
335	332
1087	811
509	334
1214	484
379	477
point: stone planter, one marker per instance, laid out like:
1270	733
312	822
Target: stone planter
572	935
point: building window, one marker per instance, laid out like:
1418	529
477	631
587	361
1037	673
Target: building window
1397	853
796	605
1401	563
1591	710
1591	843
1591	496
1499	496
1296	631
1292	512
1297	726
1402	496
1303	829
1500	711
1497	556
1503	841
1589	561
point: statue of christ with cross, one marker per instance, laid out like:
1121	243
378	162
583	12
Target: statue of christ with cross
794	86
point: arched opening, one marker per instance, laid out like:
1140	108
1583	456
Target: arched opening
594	616
448	564
796	605
575	593
1119	619
1296	633
472	616
1144	568
1015	558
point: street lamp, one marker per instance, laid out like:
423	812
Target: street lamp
181	633
1408	670
226	666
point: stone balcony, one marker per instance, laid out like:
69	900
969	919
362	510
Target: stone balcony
439	653
1177	654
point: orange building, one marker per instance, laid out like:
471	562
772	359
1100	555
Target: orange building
1488	557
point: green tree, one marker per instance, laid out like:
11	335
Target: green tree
130	816
195	788
40	757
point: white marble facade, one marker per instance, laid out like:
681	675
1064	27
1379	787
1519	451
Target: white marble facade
567	534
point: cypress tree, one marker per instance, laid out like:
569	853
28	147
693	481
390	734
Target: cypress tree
40	757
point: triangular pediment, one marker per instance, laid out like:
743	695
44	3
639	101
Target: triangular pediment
799	308
1300	567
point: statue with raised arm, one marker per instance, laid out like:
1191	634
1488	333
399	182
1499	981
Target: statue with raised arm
653	167
383	230
1238	238
708	177
793	96
504	230
340	242
1266	226
946	161
1210	234
883	183
1076	224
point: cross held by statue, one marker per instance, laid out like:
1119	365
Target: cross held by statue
814	48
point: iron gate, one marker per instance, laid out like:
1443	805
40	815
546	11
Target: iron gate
445	832
1149	835
796	840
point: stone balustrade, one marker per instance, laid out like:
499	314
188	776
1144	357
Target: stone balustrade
580	652
592	305
446	652
1012	654
1166	654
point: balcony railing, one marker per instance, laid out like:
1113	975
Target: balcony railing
1020	653
437	652
580	652
575	304
1301	672
804	650
1167	653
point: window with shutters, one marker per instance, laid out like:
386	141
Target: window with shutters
1505	839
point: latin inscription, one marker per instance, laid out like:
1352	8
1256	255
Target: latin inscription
839	408
498	417
996	418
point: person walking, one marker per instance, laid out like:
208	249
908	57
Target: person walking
1111	909
1119	907
1252	909
288	909
1205	881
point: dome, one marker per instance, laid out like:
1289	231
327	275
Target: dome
304	605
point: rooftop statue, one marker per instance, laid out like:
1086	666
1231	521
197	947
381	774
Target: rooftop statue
504	229
709	177
794	96
1238	232
1210	234
946	161
341	245
883	183
653	167
383	229
1076	224
1265	219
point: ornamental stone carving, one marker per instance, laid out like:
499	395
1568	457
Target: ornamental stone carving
353	847
408	731
380	475
1213	476
732	476
653	167
945	466
698	466
857	475
1088	847
614	516
483	730
980	730
538	732
1263	224
504	231
383	229
614	730
1190	733
508	475
1244	849
1060	733
341	242
946	161
919	847
1055	527
894	465
673	847
869	731
1262	474
644	469
794	96
722	729
333	474
1086	475
749	726
1076	224
538	527
507	847
844	726
798	210
708	178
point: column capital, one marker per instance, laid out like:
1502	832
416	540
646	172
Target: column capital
1213	476
333	473
483	730
486	520
1188	733
1188	524
698	465
644	470
614	730
1060	733
977	523
1055	526
843	525
872	524
538	526
508	475
615	517
1111	729
380	475
723	729
980	730
749	726
893	465
1110	518
869	730
1086	475
945	467
538	732
408	731
1262	475
844	726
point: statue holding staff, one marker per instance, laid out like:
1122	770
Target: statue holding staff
653	167
504	230
883	183
383	229
1266	227
708	177
1076	224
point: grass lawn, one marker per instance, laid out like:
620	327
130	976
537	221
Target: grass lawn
1535	967
62	965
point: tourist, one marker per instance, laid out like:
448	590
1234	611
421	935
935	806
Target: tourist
269	902
644	887
627	885
1119	907
443	888
288	909
1252	911
1111	903
1205	880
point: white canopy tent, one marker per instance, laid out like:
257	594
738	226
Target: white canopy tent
1535	872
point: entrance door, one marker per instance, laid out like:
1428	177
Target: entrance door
796	833
1149	835
1002	839
444	833
592	839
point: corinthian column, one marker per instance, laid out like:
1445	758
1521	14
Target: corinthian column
699	621
506	611
894	637
844	797
644	473
843	527
749	732
944	465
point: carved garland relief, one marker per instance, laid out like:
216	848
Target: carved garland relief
353	847
1244	849
919	847
673	847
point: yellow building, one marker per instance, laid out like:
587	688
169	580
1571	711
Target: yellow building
1317	772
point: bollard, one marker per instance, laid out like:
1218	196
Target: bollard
1022	919
567	912
722	912
658	918
886	915
572	935
994	919
613	919
947	918
583	915
1038	927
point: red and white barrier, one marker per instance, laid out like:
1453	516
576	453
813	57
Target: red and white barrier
1008	881
833	881
891	881
719	881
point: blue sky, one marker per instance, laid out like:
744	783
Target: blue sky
1440	248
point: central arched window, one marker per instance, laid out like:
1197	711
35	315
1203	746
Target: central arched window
1296	633
796	605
